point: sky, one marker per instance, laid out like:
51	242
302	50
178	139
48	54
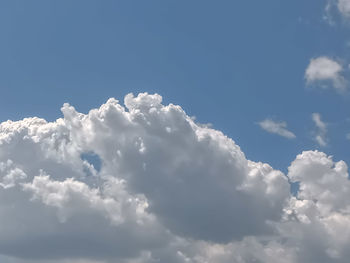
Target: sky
231	64
219	106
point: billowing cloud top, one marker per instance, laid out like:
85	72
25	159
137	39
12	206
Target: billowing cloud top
162	188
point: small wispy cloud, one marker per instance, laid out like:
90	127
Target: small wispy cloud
335	7
325	72
279	128
347	136
344	7
321	133
328	13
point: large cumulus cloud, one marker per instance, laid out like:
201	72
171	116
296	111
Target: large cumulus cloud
168	190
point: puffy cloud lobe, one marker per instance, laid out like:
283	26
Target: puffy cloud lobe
10	175
317	221
321	179
279	128
324	71
168	190
192	176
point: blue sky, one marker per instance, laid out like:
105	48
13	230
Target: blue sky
229	63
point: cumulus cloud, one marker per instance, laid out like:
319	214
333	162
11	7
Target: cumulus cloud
321	133
279	128
321	208
166	190
324	72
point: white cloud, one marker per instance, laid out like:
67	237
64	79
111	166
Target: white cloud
321	133
325	72
335	7
160	149
10	175
344	7
169	190
321	208
279	128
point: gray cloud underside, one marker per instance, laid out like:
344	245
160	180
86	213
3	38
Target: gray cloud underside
168	190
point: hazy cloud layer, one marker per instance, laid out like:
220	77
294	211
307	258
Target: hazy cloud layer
168	190
335	9
347	136
344	7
